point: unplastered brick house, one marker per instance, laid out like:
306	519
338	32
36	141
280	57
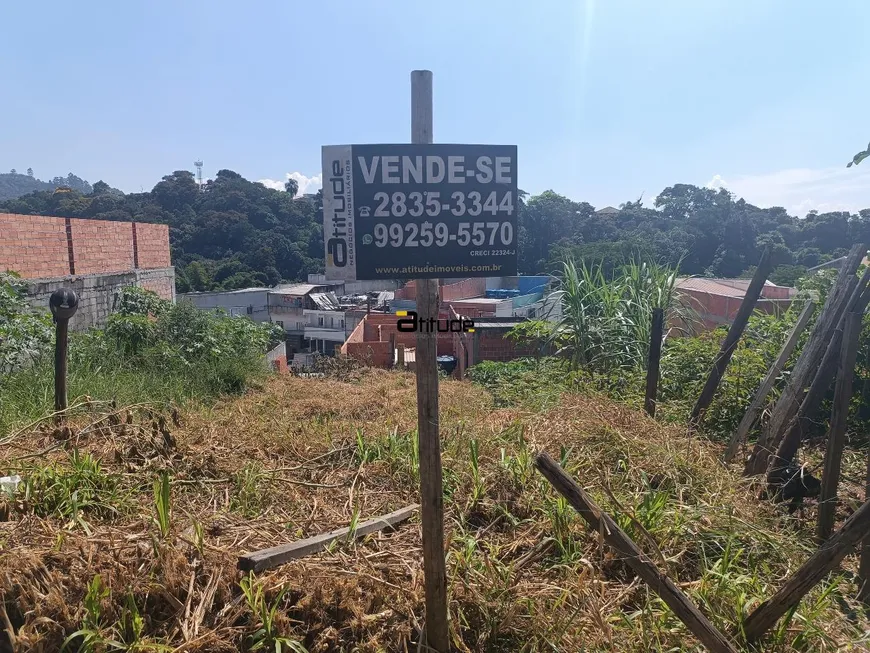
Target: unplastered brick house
95	258
716	301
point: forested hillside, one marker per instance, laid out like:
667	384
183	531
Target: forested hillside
14	184
235	233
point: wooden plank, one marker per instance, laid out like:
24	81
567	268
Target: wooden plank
807	364
837	428
812	402
767	383
428	438
616	538
654	360
864	564
729	344
820	564
278	555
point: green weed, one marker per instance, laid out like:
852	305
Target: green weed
267	635
70	492
162	504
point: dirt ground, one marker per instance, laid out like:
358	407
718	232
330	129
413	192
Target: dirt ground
304	456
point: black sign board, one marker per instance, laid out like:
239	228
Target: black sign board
419	211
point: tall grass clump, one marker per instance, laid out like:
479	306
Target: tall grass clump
605	321
150	350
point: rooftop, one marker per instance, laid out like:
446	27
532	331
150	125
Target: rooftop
325	301
223	292
302	288
477	300
725	287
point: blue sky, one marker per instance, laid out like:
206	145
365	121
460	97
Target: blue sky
606	99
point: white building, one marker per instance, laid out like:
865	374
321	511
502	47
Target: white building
252	302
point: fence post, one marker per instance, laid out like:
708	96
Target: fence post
615	537
654	360
837	428
766	386
729	344
822	562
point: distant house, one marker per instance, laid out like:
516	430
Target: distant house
607	210
290	305
716	301
246	301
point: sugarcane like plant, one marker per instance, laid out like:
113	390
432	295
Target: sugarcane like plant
605	322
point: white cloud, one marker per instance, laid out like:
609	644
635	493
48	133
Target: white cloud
306	184
800	190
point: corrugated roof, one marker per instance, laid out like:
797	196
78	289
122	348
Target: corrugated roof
476	300
385	296
297	289
325	301
724	287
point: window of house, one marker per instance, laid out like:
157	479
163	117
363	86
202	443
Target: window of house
280	323
320	321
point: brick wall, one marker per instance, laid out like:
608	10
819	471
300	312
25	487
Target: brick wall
33	245
464	289
378	329
716	310
160	283
101	246
376	354
449	292
43	247
152	245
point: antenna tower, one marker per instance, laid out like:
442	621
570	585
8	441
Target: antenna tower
198	165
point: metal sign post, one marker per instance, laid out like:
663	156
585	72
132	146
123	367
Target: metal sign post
63	304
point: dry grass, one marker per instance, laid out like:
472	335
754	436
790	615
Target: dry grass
308	455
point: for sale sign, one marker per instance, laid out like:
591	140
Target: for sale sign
419	211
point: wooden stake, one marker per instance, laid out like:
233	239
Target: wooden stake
429	441
278	555
753	292
807	364
812	402
615	537
822	562
766	386
837	428
864	564
654	361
